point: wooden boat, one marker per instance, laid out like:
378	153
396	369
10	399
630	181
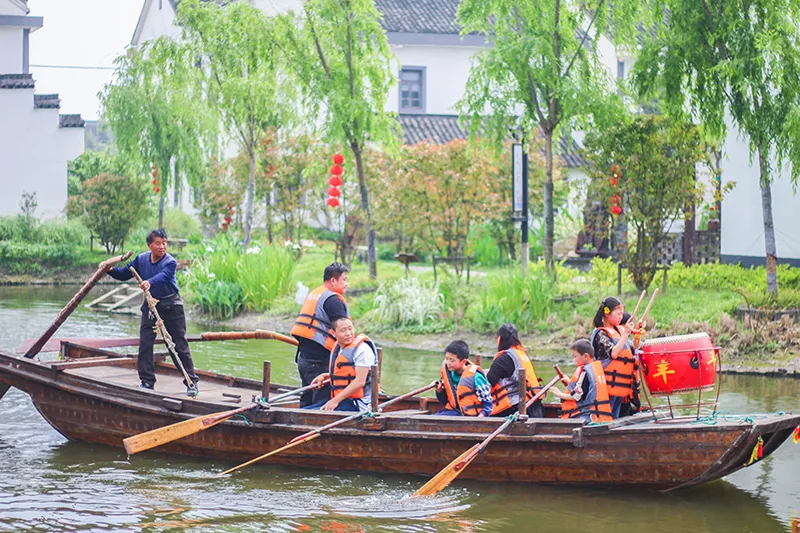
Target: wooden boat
92	395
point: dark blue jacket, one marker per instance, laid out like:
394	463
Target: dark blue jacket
161	275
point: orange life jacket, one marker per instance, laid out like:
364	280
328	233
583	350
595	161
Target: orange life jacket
313	323
619	369
505	393
595	401
342	367
462	397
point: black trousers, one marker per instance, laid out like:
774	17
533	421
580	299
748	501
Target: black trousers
309	369
171	312
534	411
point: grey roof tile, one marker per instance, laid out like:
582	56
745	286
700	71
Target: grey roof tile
16	81
46	101
441	129
70	121
419	16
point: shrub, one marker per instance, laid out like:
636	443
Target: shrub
22	257
407	302
220	299
177	224
512	297
112	205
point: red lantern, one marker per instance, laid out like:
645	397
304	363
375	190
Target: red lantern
157	190
336	170
338	159
616	210
155	181
335	181
613	182
333	191
333	202
154	172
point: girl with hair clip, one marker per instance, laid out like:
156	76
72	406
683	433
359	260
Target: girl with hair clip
612	347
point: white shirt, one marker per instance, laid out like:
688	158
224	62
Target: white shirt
364	356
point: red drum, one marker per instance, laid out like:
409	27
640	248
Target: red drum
678	364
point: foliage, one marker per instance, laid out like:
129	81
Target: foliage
29	258
111	206
241	76
49	232
224	279
441	190
513	297
158	117
739	60
646	169
91	164
177	224
341	54
542	59
407	301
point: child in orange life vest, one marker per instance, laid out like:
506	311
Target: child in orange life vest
502	375
586	395
612	347
632	405
463	389
350	362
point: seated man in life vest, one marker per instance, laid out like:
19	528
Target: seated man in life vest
586	395
464	389
350	362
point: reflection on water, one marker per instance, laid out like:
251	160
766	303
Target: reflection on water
48	484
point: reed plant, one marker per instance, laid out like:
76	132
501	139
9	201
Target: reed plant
407	302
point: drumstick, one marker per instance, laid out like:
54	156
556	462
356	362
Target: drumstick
639	303
649	305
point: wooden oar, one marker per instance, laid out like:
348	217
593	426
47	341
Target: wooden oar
34	349
157	437
162	329
649	305
54	345
441	480
639	303
313	434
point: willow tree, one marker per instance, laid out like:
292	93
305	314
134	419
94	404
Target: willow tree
158	119
241	74
342	57
543	62
733	58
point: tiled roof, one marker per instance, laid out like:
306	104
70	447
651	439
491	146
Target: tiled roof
46	101
16	81
442	129
70	121
419	16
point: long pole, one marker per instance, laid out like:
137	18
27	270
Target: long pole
525	251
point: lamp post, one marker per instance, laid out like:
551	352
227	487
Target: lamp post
520	196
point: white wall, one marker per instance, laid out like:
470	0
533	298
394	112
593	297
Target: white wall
447	69
156	22
742	218
10	50
34	152
10	7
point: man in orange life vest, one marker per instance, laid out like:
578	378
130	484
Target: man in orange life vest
586	396
463	389
350	362
313	329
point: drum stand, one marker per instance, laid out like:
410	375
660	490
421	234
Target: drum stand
699	404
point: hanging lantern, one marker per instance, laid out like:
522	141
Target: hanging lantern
333	191
335	181
336	170
338	159
616	210
157	190
154	172
333	202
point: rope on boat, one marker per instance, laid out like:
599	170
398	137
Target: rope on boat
246	420
721	416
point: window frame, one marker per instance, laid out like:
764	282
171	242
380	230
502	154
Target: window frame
422	90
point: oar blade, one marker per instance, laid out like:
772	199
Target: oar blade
157	437
441	480
268	454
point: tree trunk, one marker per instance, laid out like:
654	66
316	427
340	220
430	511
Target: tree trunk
176	179
689	231
769	225
370	231
548	203
268	211
249	202
161	202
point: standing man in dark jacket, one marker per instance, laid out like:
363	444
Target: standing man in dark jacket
157	270
314	331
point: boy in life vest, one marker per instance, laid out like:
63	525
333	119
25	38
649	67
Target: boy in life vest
349	365
502	375
313	330
612	347
586	395
464	389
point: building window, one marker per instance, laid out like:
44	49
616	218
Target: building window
620	70
412	90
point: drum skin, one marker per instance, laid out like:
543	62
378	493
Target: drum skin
679	364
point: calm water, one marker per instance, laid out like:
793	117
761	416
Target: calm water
50	484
